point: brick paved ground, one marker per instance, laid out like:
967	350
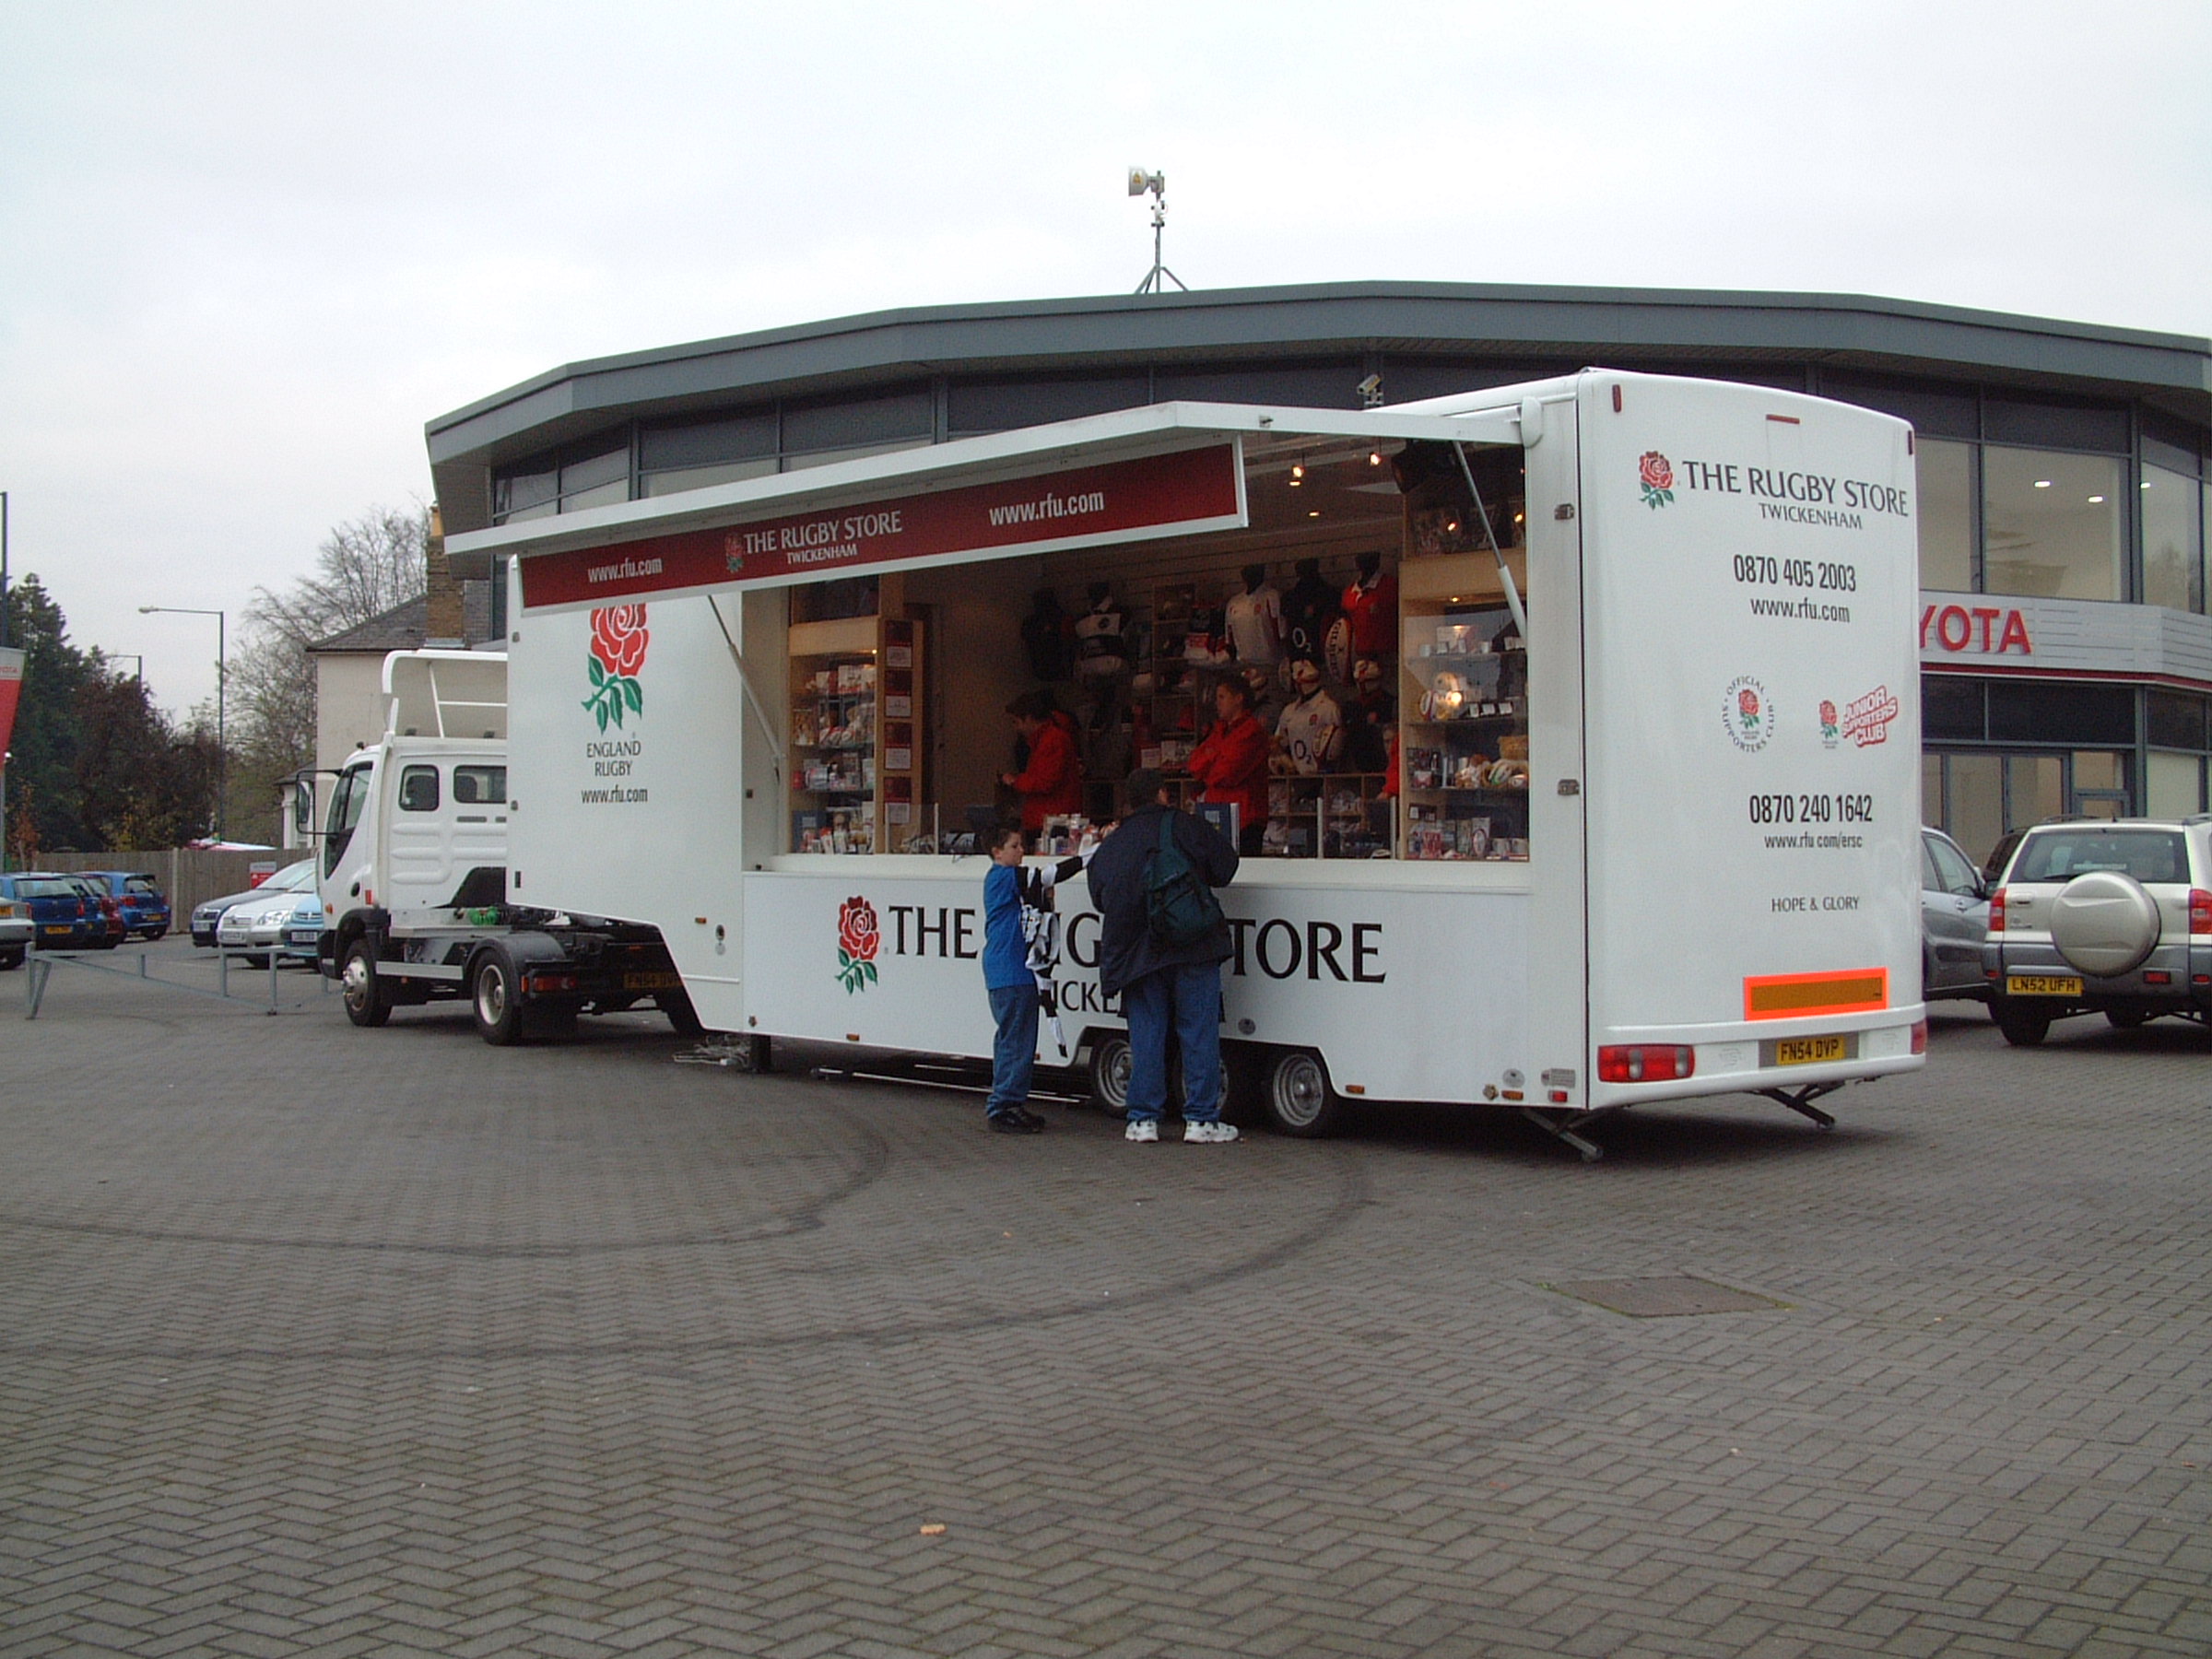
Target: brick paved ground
316	1340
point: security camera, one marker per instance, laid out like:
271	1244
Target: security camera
1370	389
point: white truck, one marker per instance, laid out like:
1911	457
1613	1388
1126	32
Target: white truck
1649	831
413	870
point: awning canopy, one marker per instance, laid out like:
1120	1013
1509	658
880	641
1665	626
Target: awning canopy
1167	469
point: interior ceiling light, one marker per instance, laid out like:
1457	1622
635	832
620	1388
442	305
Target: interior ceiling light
2096	501
1314	513
2042	483
1374	458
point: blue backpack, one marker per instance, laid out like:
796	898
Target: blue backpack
1180	909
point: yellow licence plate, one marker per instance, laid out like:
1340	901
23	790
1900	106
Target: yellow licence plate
1808	1050
2042	984
650	982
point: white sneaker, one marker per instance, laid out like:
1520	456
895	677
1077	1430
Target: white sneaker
1208	1134
1145	1130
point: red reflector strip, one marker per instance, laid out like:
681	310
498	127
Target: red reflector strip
1790	995
1786	419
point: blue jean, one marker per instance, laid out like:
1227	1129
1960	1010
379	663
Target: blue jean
1189	999
1013	1050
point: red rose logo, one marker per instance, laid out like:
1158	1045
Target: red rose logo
1746	702
619	639
618	642
858	940
1656	474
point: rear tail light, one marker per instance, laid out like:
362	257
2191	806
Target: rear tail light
541	983
1920	1036
1996	912
2200	910
1646	1063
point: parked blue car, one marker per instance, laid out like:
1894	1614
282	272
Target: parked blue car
66	918
144	907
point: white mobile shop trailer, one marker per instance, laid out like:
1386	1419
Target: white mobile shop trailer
1650	831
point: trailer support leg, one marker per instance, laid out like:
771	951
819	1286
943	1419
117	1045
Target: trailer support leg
35	984
1554	1124
1800	1100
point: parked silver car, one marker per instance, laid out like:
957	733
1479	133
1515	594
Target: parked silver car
1954	920
2111	917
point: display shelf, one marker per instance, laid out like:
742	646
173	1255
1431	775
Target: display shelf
855	706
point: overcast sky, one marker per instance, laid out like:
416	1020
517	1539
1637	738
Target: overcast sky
247	250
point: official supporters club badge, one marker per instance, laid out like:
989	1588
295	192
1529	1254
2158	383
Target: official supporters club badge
1746	713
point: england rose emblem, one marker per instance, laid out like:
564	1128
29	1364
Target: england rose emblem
1656	474
858	940
618	642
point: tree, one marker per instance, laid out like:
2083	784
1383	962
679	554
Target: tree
42	788
140	782
363	569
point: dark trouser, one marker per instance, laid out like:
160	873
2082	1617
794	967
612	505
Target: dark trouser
1013	1050
1187	999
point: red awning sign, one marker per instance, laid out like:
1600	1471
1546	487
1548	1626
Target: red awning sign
1115	500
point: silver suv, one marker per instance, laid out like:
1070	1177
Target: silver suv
2107	916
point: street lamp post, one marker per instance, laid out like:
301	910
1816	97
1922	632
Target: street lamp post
222	749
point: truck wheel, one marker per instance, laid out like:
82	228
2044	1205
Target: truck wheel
494	996
2023	1028
1109	1073
1299	1099
682	1017
367	1000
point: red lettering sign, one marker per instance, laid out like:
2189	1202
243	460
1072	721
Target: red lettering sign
1957	630
1153	495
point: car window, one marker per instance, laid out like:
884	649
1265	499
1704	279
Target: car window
1956	875
142	884
480	785
1931	879
418	788
45	886
2150	855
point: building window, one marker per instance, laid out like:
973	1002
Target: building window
2055	523
2173	543
722	451
1946	515
858	426
591	473
2174	786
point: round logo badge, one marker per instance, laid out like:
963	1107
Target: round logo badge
1746	713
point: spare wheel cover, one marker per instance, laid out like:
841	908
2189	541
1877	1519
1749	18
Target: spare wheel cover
2104	922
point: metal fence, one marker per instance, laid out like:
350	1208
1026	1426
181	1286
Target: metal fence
188	876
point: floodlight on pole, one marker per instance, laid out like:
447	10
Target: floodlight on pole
222	751
1157	279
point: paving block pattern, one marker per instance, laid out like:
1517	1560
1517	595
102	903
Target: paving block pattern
316	1340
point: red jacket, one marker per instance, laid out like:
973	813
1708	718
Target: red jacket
1233	764
1053	784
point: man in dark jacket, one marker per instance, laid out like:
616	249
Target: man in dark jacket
1163	985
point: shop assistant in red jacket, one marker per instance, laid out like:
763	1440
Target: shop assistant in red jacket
1233	760
1053	784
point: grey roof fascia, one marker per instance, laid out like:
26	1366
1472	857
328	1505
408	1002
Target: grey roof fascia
1410	316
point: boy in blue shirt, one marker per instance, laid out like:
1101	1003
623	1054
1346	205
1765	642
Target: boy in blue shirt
1011	980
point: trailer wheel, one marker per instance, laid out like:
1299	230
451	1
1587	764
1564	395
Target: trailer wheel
493	994
1299	1099
368	999
1109	1073
682	1018
2023	1028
